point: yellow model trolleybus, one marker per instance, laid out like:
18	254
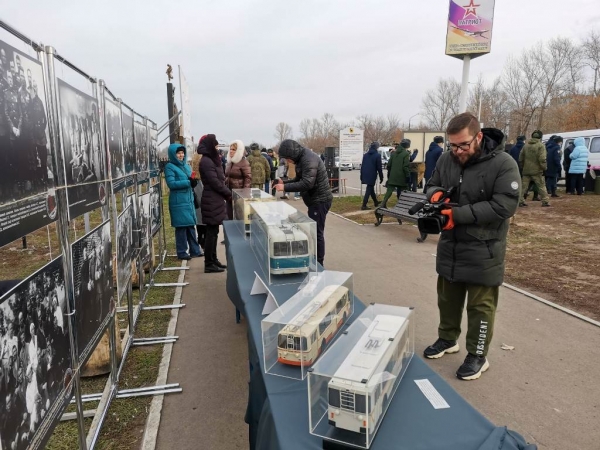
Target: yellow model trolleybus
304	338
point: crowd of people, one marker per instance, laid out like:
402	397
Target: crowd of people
200	196
34	354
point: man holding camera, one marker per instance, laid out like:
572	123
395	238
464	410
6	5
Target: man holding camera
484	183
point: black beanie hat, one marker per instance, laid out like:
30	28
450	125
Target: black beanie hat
520	138
558	139
537	134
405	143
438	139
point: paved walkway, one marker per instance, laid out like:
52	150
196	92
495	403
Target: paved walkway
548	388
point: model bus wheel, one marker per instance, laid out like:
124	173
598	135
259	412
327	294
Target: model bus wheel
344	317
323	344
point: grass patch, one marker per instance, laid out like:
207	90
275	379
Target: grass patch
126	418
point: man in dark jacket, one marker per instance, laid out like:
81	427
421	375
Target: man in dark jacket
268	180
313	184
398	171
370	168
515	151
472	246
436	148
553	155
567	165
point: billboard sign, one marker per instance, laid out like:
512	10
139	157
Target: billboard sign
470	25
352	144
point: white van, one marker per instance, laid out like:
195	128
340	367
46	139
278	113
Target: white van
385	153
592	142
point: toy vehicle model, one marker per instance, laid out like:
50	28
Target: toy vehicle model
302	341
361	388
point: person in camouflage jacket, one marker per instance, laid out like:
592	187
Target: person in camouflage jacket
532	161
259	167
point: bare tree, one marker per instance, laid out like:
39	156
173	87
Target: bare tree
520	82
591	53
282	132
553	60
441	104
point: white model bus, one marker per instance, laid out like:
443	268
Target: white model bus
360	390
301	341
287	245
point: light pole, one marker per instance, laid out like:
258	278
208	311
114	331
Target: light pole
417	114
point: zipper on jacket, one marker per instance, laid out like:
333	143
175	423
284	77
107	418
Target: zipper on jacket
454	231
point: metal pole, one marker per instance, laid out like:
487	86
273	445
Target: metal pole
464	90
170	106
162	219
112	342
63	232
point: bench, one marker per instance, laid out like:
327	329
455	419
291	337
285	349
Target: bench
400	210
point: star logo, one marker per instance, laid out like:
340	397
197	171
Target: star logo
471	9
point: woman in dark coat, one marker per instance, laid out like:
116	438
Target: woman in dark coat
214	196
237	171
181	202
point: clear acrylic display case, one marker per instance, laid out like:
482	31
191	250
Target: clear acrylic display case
301	329
351	386
284	241
241	199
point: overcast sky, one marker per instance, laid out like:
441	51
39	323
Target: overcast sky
253	63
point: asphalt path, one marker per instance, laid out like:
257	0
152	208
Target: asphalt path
547	388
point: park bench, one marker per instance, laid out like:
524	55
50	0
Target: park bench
400	210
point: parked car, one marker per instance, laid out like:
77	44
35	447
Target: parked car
346	166
357	166
592	142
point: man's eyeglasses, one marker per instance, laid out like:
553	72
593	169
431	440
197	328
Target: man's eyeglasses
464	146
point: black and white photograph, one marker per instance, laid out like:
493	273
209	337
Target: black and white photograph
26	174
92	279
82	149
144	226
114	137
141	151
154	208
25	161
34	355
124	250
153	152
128	141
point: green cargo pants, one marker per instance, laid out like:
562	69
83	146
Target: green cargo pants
540	182
389	192
481	310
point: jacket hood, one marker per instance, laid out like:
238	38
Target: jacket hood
172	154
256	152
551	145
239	154
373	147
290	149
434	146
533	141
493	139
579	142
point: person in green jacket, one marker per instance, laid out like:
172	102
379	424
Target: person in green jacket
472	246
398	171
532	161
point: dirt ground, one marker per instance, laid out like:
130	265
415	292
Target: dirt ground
551	252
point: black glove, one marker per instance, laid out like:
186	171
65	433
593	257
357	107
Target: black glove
193	182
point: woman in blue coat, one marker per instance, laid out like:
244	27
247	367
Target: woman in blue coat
181	202
579	161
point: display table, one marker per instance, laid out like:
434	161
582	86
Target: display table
277	410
